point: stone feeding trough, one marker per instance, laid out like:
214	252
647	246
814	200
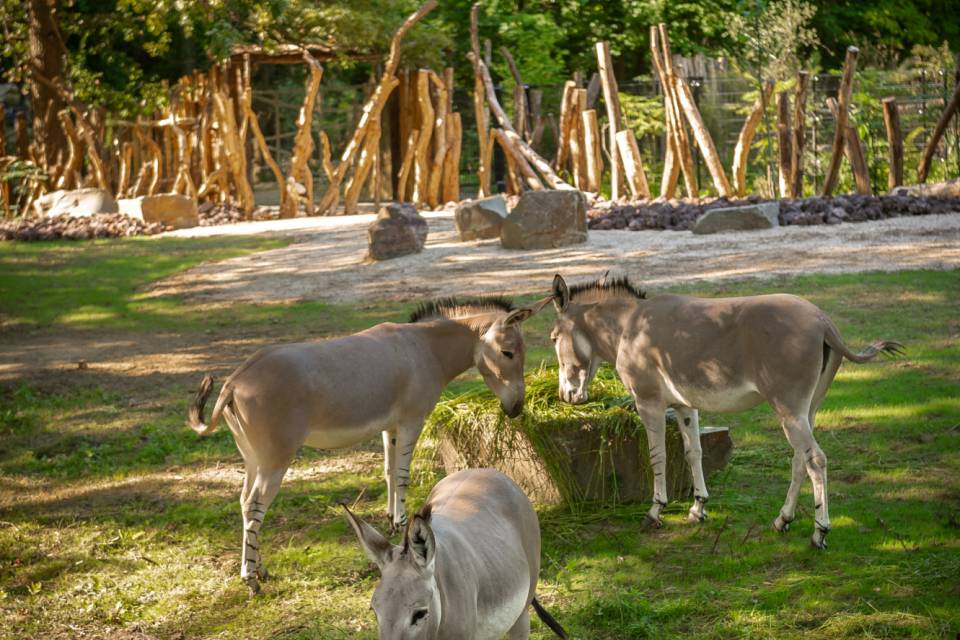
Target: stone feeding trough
560	453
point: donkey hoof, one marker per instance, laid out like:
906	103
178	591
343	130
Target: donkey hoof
649	522
263	574
819	540
253	584
694	517
780	525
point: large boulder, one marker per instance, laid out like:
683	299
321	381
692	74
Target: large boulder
480	219
743	218
170	209
398	231
78	203
545	220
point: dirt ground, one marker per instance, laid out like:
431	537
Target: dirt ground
328	262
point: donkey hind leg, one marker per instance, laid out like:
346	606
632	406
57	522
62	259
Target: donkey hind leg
521	628
800	435
266	483
654	421
390	471
787	513
406	442
689	421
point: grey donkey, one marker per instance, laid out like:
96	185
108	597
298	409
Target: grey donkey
468	566
340	392
723	355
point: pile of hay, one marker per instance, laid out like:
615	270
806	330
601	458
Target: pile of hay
557	452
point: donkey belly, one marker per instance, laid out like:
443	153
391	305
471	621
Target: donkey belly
732	399
337	436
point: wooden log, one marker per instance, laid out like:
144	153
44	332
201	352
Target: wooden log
924	167
422	159
891	119
567	125
660	50
373	106
519	95
297	183
671	171
578	149
126	166
439	139
254	124
745	140
409	154
633	164
524	148
704	140
843	100
351	195
536	117
232	152
480	110
591	149
71	176
153	166
21	138
512	178
451	162
784	143
853	149
593	90
799	134
614	118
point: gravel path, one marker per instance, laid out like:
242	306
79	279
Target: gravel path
327	260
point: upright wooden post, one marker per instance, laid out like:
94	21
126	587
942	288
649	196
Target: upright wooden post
853	149
591	148
422	160
609	83
891	118
21	139
741	152
843	106
633	164
938	132
799	130
663	60
703	138
784	143
567	125
484	141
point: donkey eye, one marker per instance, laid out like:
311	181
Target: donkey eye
418	615
508	354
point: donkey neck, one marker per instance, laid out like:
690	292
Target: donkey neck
452	344
605	322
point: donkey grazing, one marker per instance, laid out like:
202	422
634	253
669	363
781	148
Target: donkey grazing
336	393
724	355
468	568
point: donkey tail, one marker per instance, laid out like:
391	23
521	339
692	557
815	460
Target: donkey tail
548	619
835	342
195	417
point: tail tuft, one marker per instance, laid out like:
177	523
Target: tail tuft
195	418
548	619
887	348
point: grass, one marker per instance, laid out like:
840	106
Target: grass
118	522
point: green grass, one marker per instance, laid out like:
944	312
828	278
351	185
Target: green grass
116	521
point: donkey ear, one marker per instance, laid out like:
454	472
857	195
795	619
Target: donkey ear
422	544
561	294
523	313
374	544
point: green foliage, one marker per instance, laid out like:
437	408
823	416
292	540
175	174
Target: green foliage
775	37
643	114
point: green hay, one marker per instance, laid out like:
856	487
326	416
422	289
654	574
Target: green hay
588	453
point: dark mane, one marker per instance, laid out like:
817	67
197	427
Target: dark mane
605	288
455	307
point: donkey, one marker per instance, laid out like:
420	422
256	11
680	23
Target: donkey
468	567
340	392
723	355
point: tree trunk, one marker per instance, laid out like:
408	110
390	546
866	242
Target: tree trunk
633	164
46	57
615	120
482	114
891	118
799	128
784	143
938	132
741	152
853	148
704	140
846	86
591	148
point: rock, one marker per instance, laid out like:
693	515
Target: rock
546	219
398	231
78	203
937	190
480	219
169	209
744	218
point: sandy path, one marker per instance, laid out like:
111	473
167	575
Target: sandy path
327	262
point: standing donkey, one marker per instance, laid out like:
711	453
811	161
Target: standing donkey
468	568
724	355
337	393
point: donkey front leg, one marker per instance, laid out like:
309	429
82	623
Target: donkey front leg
390	471
654	421
521	628
406	442
689	421
800	435
259	495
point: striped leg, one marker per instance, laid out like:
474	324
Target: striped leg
390	471
798	474
689	420
266	483
654	420
406	442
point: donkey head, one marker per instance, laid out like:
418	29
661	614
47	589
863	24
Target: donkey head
407	600
578	360
499	356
